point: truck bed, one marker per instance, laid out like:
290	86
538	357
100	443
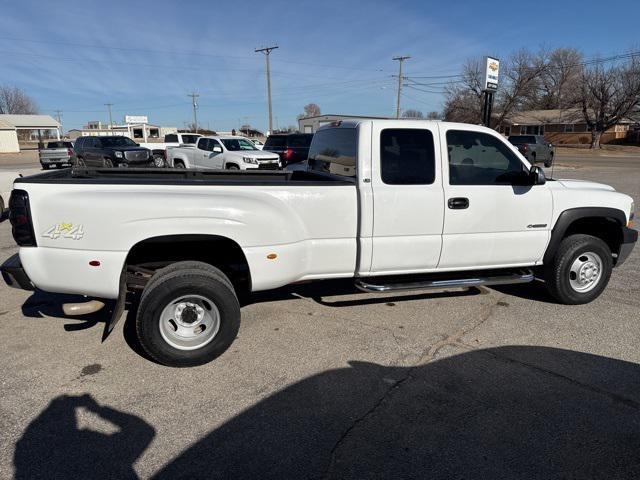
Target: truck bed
165	176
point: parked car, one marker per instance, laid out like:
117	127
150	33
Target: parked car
291	147
56	154
217	153
535	148
6	184
259	145
159	150
379	204
111	151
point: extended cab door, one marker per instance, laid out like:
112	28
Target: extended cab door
408	200
203	153
493	218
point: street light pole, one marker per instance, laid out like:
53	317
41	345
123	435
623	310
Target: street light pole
267	52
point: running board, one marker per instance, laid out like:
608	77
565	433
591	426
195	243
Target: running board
523	276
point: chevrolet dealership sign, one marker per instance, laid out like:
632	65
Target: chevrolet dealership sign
490	74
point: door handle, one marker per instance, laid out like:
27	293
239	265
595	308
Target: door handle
458	203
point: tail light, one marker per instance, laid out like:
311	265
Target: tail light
524	147
288	154
20	218
70	152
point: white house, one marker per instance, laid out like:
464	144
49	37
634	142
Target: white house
10	124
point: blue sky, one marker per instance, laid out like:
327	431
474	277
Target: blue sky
146	56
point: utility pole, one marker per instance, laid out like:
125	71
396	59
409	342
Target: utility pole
267	52
59	117
195	107
109	105
400	60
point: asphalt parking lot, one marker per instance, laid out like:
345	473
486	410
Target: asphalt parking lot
325	382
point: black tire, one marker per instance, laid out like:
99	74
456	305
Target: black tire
80	162
180	279
45	166
533	157
549	162
107	163
232	166
178	164
557	272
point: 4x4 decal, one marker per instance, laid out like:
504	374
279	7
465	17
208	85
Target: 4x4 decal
65	230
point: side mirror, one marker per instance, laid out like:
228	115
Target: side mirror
217	149
537	177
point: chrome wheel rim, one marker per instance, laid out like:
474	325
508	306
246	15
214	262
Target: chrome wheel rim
158	161
189	322
585	272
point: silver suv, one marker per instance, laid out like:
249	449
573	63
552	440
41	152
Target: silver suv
534	148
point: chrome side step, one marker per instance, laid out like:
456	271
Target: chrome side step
523	276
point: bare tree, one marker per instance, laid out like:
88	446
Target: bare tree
559	79
15	101
463	99
310	110
521	77
607	95
411	113
434	115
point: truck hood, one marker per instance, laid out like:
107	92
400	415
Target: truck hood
584	185
259	154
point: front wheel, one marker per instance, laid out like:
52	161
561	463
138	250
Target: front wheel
188	314
549	162
108	163
158	161
580	270
232	166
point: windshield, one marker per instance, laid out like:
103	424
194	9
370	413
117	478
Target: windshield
235	144
190	139
117	142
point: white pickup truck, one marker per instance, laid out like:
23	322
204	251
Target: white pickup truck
159	149
394	204
218	153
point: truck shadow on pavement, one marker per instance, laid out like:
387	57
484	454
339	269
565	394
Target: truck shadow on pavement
507	412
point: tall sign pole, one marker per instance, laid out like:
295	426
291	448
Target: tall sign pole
400	60
490	74
267	53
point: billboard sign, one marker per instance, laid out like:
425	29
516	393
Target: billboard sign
136	119
490	74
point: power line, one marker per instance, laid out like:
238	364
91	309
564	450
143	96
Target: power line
267	53
178	52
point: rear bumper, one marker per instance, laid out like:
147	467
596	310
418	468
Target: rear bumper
45	161
629	239
14	275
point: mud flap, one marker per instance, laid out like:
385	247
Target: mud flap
118	307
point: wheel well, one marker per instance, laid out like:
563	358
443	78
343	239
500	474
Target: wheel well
606	229
158	252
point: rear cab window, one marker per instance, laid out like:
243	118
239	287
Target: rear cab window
333	151
277	141
407	156
301	141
